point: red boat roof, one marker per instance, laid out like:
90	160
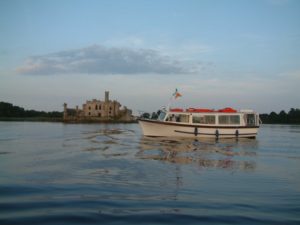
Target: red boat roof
228	110
199	110
225	110
176	110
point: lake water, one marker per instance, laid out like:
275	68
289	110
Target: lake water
54	173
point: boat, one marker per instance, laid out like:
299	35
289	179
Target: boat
202	123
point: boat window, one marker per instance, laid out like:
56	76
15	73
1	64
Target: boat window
229	119
161	116
198	119
182	118
204	119
250	119
172	117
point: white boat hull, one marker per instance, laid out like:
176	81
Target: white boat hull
172	129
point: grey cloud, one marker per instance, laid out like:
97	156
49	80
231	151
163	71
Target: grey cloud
103	60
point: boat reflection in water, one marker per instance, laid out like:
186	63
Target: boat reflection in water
226	154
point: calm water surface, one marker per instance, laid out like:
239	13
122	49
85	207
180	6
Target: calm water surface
53	173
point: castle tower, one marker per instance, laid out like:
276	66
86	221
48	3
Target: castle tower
106	96
65	111
77	111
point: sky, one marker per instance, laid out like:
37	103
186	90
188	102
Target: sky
243	54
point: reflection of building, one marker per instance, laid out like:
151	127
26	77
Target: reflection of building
97	110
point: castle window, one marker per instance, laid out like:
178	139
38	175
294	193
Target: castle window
89	113
96	107
99	114
99	107
89	107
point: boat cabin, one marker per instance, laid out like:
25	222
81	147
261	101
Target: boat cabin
208	117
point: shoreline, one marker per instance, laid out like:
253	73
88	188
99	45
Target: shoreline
57	120
60	120
30	119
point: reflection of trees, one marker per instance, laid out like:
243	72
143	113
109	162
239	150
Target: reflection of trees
227	154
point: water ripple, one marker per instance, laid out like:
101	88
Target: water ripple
111	174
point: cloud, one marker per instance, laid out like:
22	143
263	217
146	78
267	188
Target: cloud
107	60
187	49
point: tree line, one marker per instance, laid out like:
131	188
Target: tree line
292	117
8	110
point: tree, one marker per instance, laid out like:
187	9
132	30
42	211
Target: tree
294	115
145	115
273	117
154	116
283	117
9	110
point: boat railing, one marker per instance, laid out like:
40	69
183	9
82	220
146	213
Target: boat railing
259	121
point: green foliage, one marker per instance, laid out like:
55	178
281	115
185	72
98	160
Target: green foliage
145	115
292	117
8	110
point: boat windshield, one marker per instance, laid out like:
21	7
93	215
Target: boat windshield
162	116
